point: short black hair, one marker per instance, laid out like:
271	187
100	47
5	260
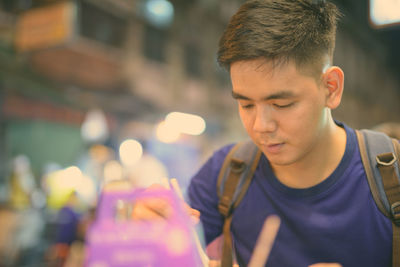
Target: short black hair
281	30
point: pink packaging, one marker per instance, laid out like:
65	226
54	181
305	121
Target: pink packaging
114	239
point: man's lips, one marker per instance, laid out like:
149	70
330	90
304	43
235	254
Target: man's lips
272	148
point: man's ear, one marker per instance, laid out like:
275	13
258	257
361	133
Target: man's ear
333	83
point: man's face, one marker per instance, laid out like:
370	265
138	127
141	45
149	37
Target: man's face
284	111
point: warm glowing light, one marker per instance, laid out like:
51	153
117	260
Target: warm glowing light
167	133
86	189
130	151
186	123
94	128
61	183
72	173
383	12
112	171
175	123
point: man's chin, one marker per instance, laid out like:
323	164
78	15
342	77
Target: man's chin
278	160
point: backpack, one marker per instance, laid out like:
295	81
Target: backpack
380	156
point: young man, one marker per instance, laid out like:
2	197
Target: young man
279	55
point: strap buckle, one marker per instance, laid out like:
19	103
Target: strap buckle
237	165
386	159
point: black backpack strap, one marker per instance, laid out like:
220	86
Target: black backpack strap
233	181
380	155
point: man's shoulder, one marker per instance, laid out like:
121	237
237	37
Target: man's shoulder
214	161
225	148
220	153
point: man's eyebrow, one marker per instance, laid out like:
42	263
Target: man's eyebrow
279	95
239	96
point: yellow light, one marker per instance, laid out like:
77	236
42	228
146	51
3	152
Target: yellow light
86	189
167	133
112	171
130	151
384	12
72	172
65	181
186	123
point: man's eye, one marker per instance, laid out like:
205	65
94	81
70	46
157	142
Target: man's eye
284	106
248	106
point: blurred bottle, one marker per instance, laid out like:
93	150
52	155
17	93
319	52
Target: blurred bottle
22	183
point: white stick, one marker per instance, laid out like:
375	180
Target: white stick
265	241
176	187
165	182
203	255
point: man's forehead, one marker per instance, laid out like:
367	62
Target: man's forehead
247	71
272	66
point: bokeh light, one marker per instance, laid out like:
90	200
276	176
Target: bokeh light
384	12
167	133
94	128
130	151
186	123
159	12
112	171
71	179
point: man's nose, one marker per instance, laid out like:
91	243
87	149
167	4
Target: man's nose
264	120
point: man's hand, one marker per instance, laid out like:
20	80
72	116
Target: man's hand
151	209
158	208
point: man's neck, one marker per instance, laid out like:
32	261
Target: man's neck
317	165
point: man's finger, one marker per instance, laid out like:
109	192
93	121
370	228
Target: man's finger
151	209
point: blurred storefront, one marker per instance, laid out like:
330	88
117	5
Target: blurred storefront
134	62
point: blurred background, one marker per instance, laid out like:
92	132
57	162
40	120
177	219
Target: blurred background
93	91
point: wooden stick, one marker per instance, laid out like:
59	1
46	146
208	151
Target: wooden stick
177	189
265	241
165	183
203	255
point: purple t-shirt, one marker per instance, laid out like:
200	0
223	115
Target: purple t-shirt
334	221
